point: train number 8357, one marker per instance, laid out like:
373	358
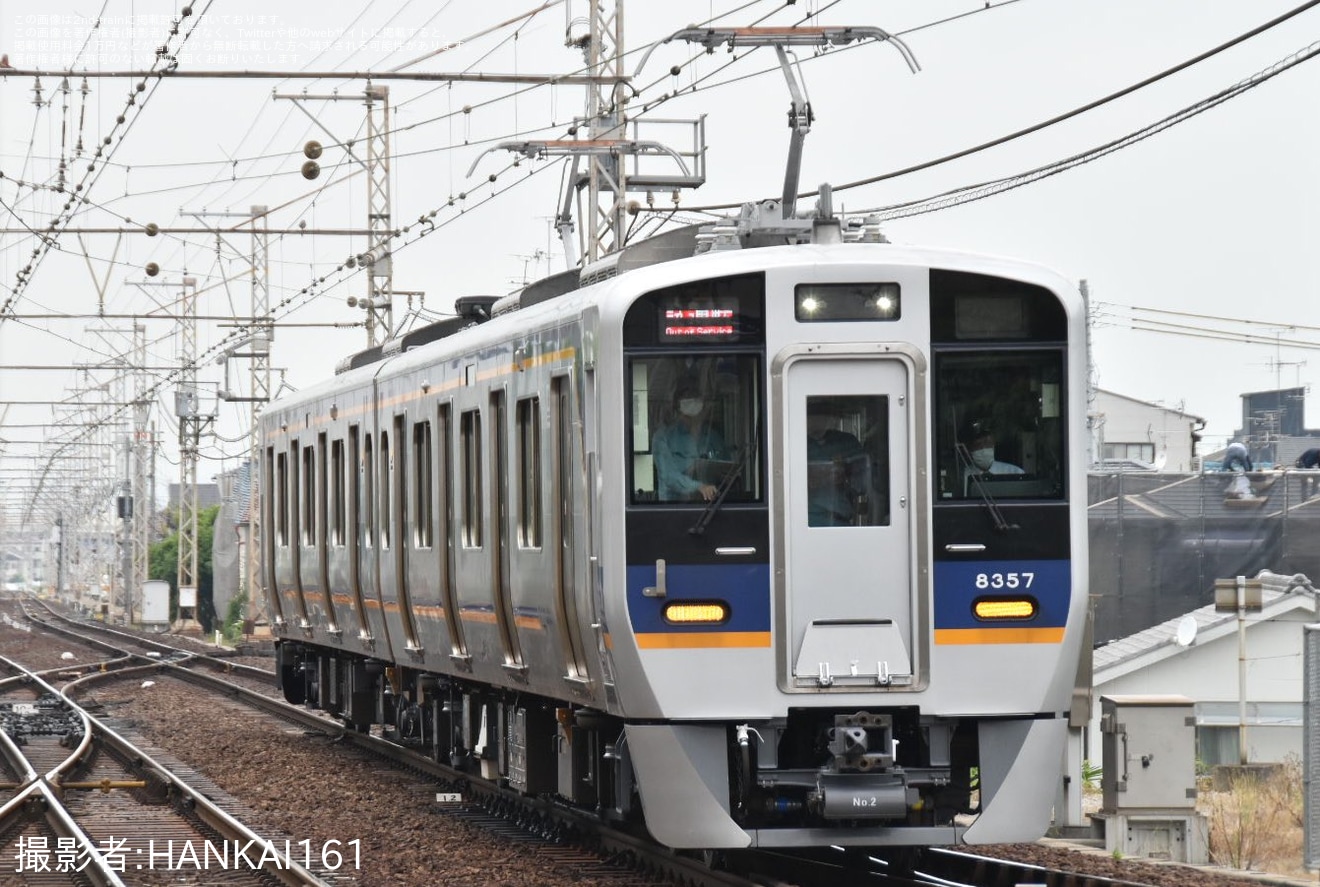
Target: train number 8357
1005	580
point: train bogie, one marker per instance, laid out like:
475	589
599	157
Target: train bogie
724	545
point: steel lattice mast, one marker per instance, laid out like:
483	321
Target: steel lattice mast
187	407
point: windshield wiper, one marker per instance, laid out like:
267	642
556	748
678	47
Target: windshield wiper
965	459
726	483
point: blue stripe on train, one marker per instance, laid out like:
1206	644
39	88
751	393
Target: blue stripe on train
744	587
958	585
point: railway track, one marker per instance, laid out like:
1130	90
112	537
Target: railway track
572	843
89	806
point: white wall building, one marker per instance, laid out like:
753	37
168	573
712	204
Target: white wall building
1202	664
1127	429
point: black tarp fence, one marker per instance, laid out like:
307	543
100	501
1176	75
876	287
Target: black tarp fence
1159	541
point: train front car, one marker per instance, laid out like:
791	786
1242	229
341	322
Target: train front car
852	543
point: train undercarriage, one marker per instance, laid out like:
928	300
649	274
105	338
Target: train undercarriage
817	768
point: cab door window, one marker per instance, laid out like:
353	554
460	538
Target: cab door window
847	460
694	428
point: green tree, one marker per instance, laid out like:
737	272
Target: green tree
163	563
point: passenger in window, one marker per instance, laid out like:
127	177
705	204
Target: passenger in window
980	446
689	452
838	471
1309	459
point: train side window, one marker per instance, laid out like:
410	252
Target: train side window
337	496
694	427
308	490
321	498
999	427
398	514
368	492
847	461
386	463
470	432
423	520
281	504
529	472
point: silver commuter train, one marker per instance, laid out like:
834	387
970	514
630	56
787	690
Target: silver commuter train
714	543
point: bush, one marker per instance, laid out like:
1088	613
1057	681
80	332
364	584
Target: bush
233	627
1258	823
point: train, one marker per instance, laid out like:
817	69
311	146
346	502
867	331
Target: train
706	537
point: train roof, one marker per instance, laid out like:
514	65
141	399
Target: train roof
677	256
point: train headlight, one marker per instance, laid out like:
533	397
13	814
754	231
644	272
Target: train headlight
995	609
823	302
696	612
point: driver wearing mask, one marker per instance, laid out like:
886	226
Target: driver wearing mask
981	450
683	446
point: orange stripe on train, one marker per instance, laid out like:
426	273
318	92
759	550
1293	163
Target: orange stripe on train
693	639
1004	635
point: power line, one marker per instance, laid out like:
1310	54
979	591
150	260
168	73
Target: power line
970	193
1068	115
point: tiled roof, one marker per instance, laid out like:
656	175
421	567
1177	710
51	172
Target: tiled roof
1279	595
1207	496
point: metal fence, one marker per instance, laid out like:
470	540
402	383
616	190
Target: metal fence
1159	541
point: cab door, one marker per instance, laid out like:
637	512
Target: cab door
847	586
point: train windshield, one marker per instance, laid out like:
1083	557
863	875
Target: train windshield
1000	431
694	428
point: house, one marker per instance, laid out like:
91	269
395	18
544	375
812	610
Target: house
1197	655
1274	428
1159	541
1126	431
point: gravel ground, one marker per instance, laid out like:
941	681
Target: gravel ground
1099	863
318	793
39	651
314	791
404	841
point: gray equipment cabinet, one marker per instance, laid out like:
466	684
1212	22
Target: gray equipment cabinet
1149	778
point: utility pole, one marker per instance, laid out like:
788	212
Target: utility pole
613	148
144	454
377	258
607	185
124	512
187	406
262	329
255	347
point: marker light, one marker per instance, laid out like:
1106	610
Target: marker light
826	302
991	609
696	612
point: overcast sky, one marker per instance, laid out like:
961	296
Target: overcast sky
1210	218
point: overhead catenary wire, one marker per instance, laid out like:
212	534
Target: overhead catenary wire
264	178
1059	118
693	209
286	305
970	193
92	175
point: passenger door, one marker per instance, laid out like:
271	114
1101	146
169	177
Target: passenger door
846	600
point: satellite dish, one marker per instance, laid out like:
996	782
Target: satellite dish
1186	633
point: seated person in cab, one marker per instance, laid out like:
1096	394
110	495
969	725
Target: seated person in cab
838	469
980	457
689	452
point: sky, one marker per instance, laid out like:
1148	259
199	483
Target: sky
1205	226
